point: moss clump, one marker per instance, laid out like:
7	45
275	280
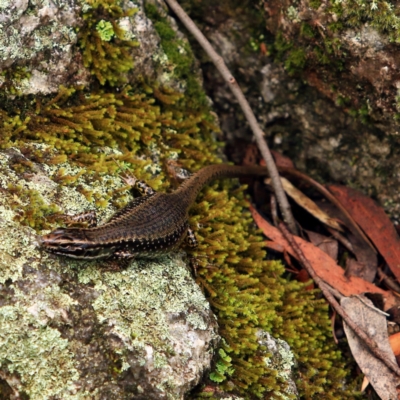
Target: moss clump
247	292
326	44
179	55
14	79
83	128
106	46
32	210
382	15
294	59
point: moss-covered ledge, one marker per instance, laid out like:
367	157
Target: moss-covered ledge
72	329
133	333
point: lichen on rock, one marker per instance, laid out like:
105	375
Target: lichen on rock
145	331
149	324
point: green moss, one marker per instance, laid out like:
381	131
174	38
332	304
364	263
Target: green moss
106	47
382	15
15	79
307	30
315	4
30	207
362	113
295	60
342	101
321	56
247	292
179	55
223	367
105	30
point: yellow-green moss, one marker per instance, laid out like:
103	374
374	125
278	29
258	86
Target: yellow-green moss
247	292
380	14
179	54
106	46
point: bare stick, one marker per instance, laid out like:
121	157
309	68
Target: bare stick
274	210
370	343
258	133
390	283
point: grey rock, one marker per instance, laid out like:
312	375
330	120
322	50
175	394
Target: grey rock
73	330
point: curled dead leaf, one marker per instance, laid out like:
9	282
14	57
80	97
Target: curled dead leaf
303	201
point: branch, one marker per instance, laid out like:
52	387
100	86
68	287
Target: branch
258	133
370	343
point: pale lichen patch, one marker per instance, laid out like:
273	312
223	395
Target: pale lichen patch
142	314
150	304
38	354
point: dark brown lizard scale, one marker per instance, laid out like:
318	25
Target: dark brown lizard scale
148	226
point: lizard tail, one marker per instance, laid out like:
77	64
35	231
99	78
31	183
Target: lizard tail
189	190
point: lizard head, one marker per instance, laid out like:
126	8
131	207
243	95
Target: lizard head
72	242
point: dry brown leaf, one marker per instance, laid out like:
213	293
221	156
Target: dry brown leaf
355	268
328	245
303	201
375	223
395	343
274	246
324	266
361	310
362	250
281	160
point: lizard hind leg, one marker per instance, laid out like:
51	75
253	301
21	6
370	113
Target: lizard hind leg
190	239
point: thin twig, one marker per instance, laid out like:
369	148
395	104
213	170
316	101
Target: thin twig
248	112
338	236
274	210
334	291
370	343
390	283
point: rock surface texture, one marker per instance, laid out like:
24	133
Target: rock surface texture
72	330
92	89
324	86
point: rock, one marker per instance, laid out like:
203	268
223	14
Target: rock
71	329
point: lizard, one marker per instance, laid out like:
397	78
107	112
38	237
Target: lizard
151	225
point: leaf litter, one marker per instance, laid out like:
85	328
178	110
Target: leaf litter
348	234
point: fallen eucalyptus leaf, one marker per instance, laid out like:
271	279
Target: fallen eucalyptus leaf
303	201
361	310
328	245
324	266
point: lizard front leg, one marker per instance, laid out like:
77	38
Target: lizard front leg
86	219
143	188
